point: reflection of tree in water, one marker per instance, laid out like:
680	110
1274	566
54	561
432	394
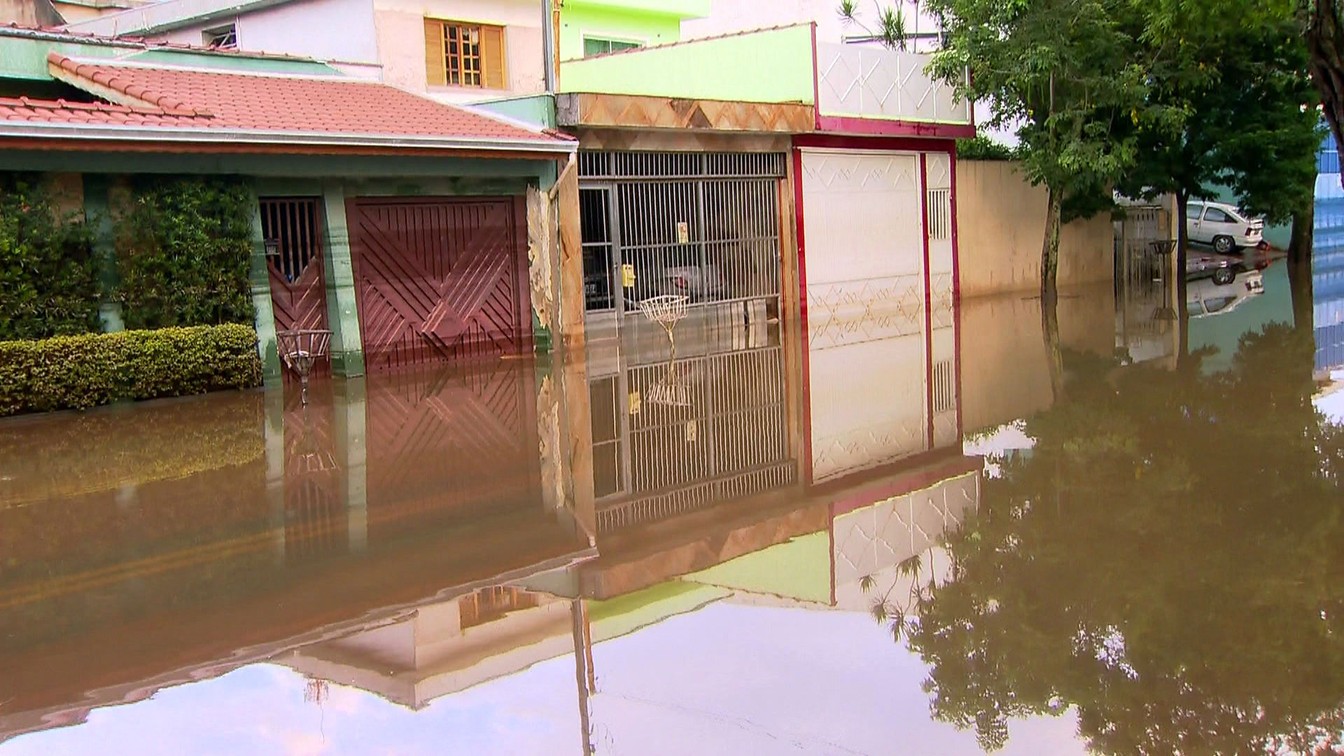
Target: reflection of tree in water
1168	559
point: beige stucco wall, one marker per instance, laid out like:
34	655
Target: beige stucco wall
401	43
1001	228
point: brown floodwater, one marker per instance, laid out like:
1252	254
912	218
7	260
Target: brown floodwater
895	532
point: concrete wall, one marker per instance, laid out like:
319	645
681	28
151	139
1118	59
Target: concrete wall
401	40
301	28
1001	229
1004	370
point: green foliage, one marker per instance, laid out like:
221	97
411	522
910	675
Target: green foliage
183	253
78	372
983	148
47	281
1163	562
77	454
1237	108
890	27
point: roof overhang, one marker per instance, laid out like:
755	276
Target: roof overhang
83	137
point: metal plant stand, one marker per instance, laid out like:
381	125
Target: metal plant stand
301	350
668	310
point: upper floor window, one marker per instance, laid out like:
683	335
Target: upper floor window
221	37
464	55
599	46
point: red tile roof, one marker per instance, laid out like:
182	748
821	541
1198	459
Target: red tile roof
205	100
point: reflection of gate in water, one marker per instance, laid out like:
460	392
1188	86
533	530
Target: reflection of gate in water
653	460
700	225
315	508
1144	265
445	445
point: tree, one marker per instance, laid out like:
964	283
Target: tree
1177	598
1324	32
1238	109
1061	69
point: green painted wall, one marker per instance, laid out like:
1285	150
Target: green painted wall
798	569
769	66
538	110
649	29
680	8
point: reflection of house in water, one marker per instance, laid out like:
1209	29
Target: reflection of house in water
672	435
214	536
1328	260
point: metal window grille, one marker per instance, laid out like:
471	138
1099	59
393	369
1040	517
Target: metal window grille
940	214
944	387
291	226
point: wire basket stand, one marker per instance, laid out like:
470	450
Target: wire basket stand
667	310
301	349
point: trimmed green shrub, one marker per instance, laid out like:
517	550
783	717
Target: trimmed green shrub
983	148
78	372
48	285
184	248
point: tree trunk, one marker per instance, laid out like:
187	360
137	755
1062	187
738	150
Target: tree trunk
1180	257
1299	268
1325	44
1050	249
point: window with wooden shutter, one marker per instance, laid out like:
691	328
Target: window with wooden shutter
464	55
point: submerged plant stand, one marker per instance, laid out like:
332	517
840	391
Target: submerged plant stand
301	349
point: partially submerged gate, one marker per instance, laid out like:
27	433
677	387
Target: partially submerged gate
701	225
292	229
440	280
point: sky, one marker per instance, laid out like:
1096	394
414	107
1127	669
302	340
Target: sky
726	679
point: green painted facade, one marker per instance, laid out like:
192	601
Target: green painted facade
534	110
770	66
645	29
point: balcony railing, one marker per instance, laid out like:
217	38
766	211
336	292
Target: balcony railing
867	81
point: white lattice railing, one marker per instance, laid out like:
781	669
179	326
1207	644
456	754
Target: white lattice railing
864	81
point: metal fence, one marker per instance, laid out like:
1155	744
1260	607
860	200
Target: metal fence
700	225
669	437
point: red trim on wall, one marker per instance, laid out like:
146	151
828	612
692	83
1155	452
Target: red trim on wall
928	297
956	249
804	338
816	81
880	127
902	144
956	290
910	481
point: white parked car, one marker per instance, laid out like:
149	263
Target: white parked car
1206	297
1222	225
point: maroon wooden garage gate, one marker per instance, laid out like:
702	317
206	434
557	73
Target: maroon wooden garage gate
440	280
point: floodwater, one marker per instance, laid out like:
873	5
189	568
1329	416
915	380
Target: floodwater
906	532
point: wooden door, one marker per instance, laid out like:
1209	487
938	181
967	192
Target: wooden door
440	279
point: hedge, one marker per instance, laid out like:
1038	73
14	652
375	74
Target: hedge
78	372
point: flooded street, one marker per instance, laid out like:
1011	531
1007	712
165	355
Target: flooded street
919	530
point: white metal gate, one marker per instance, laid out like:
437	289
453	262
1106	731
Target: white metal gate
701	225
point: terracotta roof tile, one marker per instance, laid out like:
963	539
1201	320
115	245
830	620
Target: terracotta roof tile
207	99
